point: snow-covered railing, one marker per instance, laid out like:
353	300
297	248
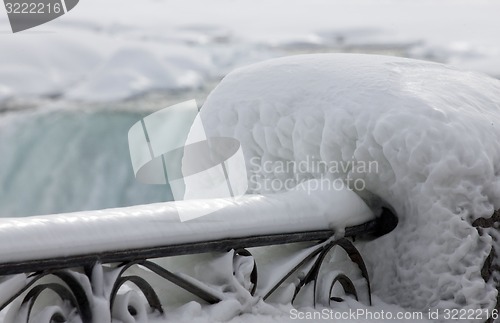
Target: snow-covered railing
87	258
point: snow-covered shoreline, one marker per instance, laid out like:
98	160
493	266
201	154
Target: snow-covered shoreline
98	53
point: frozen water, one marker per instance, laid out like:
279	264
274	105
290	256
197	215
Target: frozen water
56	160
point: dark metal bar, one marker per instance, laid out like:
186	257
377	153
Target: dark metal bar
138	254
181	282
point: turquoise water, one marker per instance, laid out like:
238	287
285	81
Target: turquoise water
62	161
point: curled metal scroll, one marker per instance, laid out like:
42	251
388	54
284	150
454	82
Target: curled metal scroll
69	290
347	285
320	254
353	254
63	293
145	288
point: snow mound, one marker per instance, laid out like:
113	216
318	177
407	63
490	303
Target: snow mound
57	65
85	65
431	130
134	70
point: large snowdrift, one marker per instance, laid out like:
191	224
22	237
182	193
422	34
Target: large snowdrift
431	129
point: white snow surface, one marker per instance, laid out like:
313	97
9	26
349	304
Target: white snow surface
301	209
431	128
116	49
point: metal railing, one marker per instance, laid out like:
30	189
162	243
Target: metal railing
76	279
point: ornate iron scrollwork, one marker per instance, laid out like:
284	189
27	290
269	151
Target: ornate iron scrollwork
78	288
67	287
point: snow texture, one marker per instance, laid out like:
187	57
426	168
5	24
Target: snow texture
99	53
431	128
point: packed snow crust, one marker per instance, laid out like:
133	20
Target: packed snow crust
301	209
98	53
431	128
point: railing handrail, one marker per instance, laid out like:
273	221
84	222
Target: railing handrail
150	226
221	245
